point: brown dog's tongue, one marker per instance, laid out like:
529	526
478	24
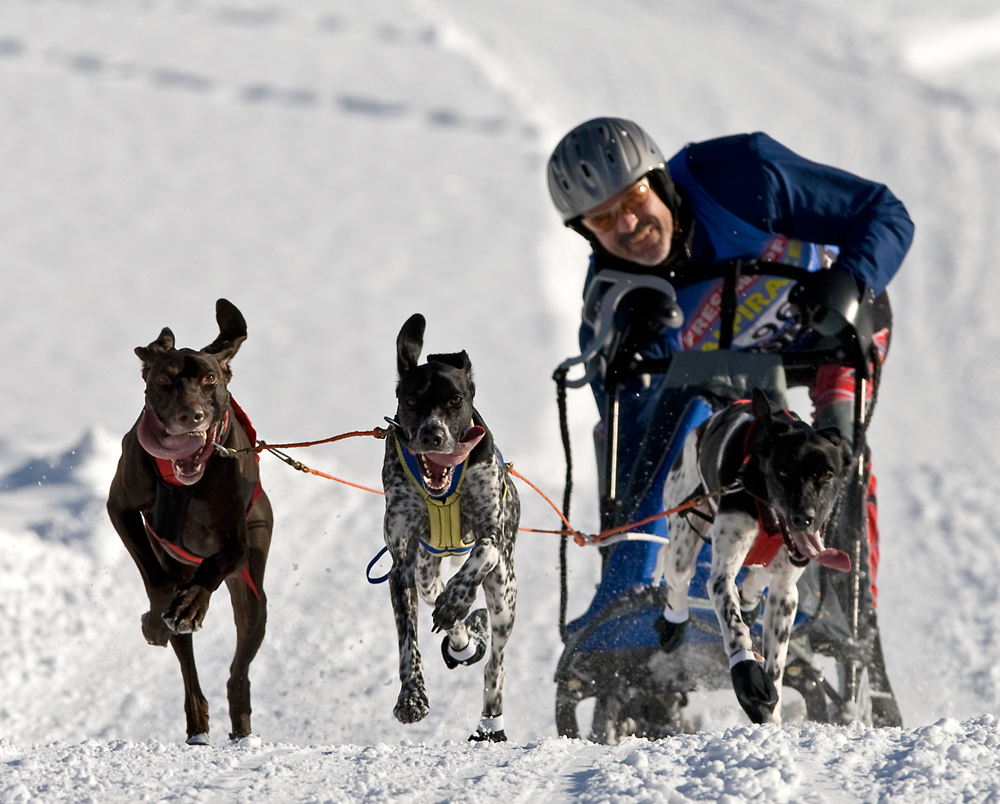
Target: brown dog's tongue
154	439
468	443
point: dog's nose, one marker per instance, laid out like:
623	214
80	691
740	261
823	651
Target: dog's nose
191	417
431	437
802	521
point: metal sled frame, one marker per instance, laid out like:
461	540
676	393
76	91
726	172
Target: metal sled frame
641	690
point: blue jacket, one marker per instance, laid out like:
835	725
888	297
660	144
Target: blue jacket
749	197
774	190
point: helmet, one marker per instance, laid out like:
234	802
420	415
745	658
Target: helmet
597	160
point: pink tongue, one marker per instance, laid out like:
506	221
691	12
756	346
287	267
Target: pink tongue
154	439
468	443
811	546
834	559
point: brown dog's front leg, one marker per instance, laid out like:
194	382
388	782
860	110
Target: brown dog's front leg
188	609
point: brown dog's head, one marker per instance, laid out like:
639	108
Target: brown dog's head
187	394
804	471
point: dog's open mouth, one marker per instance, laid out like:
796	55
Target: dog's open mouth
438	468
810	546
188	452
435	476
190	469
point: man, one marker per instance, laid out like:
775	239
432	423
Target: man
725	210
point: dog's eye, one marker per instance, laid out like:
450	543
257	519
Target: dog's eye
162	379
208	379
411	402
455	401
782	474
826	477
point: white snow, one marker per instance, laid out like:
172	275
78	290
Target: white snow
333	167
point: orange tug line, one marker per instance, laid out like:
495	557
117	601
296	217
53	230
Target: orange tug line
379	432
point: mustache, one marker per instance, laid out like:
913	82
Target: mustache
627	238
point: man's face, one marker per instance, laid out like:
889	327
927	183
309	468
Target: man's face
635	225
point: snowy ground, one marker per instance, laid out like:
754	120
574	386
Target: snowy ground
333	167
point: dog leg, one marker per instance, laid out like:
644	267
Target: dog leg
779	617
731	539
500	590
732	535
678	559
428	576
250	614
412	704
159	586
195	705
454	602
752	593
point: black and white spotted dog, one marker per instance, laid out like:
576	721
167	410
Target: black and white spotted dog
447	492
790	477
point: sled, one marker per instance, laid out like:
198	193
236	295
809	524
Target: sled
611	652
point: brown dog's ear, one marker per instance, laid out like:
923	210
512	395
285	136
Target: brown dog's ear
147	354
409	342
232	333
459	360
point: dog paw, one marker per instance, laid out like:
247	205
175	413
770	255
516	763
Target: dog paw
477	624
754	690
449	609
412	706
671	634
188	609
154	630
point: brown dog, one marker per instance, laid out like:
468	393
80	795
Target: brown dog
191	520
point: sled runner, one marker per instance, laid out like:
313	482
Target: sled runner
612	651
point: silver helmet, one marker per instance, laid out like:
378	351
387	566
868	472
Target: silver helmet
597	160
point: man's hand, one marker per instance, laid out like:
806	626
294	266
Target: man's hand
828	301
645	314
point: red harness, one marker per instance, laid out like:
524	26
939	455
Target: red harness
166	472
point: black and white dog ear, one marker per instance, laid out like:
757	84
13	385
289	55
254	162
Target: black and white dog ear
147	354
232	333
842	444
762	407
459	360
409	342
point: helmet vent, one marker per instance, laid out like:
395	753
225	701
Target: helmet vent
611	157
584	169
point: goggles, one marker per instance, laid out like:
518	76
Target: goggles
634	200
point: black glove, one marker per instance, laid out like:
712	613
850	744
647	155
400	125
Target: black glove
645	314
828	301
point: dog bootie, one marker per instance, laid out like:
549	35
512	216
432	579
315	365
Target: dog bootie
754	690
477	624
670	626
490	730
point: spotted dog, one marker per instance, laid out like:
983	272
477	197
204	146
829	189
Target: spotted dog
447	493
790	477
190	519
